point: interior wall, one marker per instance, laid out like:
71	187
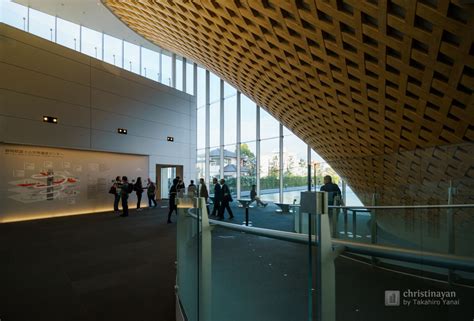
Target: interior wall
91	99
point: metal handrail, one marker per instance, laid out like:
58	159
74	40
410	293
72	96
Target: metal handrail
406	255
395	207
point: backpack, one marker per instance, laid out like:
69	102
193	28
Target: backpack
130	188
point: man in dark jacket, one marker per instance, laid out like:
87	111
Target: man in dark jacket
331	188
217	197
124	191
226	198
172	196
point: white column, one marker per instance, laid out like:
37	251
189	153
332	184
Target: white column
184	74
221	158
56	29
123	54
173	70
140	61
80	38
160	70
280	155
238	144
207	168
195	77
308	164
28	20
103	46
257	174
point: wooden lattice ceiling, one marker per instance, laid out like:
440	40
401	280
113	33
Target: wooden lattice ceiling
375	86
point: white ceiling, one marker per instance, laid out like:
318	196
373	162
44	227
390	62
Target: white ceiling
91	14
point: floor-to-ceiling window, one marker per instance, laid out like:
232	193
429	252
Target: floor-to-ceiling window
248	145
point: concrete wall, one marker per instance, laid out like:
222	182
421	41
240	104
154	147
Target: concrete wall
91	99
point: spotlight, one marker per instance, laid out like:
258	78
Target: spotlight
170	139
122	131
50	119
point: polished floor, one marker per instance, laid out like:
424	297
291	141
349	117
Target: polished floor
88	267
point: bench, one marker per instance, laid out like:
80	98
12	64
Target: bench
283	208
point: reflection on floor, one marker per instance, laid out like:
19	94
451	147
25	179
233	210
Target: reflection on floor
88	267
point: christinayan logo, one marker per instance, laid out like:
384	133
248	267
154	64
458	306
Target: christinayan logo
392	298
412	297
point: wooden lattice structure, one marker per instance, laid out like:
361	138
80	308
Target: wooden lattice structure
382	89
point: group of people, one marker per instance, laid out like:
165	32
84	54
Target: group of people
121	188
222	196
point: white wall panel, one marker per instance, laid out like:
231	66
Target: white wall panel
24	131
27	56
38	84
19	105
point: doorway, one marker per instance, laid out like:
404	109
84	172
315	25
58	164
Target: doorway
164	178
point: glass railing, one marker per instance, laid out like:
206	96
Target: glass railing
228	272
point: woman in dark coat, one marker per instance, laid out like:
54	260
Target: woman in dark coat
138	187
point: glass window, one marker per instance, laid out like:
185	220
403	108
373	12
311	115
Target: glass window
42	25
201	127
201	87
248	119
150	64
68	34
316	160
91	43
166	69
179	73
200	164
248	167
189	77
215	122
269	126
214	165
295	168
230	167
131	55
215	88
270	169
113	50
14	14
230	120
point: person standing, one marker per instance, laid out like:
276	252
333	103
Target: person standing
150	193
124	190
203	192
191	189
217	197
172	197
331	188
181	187
138	187
226	198
116	191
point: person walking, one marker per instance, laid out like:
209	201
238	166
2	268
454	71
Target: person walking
124	191
138	187
191	189
226	198
255	198
203	192
172	197
217	197
115	189
150	193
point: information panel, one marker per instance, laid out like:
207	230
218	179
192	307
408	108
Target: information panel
43	182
